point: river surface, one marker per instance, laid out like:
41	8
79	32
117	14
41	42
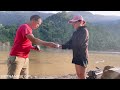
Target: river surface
52	62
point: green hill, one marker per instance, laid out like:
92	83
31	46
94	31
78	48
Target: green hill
55	28
19	17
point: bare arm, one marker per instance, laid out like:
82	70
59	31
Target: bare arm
40	42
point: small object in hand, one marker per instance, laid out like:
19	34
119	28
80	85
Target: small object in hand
37	47
58	45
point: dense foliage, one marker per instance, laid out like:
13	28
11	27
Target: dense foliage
55	28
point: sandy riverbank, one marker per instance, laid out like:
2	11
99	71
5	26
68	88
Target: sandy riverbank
69	76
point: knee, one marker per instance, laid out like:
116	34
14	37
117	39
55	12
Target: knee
81	75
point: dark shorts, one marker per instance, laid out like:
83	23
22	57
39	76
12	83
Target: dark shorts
83	63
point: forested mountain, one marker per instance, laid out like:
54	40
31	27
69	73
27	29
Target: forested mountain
103	36
89	17
19	17
56	28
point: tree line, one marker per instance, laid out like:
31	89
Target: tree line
55	28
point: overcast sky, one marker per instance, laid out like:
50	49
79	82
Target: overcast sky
116	13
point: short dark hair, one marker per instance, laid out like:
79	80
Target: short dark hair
35	17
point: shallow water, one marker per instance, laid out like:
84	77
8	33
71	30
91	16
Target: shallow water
48	62
52	62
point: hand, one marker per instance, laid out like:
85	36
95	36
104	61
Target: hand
36	48
59	46
53	45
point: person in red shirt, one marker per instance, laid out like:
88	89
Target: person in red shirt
18	61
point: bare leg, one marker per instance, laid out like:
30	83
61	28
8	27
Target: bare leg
80	71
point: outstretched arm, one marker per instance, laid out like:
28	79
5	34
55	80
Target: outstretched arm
41	42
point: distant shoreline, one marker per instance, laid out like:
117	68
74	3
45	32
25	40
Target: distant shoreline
106	52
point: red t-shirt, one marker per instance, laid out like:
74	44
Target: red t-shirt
22	45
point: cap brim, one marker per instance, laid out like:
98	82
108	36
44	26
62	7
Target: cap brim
72	21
